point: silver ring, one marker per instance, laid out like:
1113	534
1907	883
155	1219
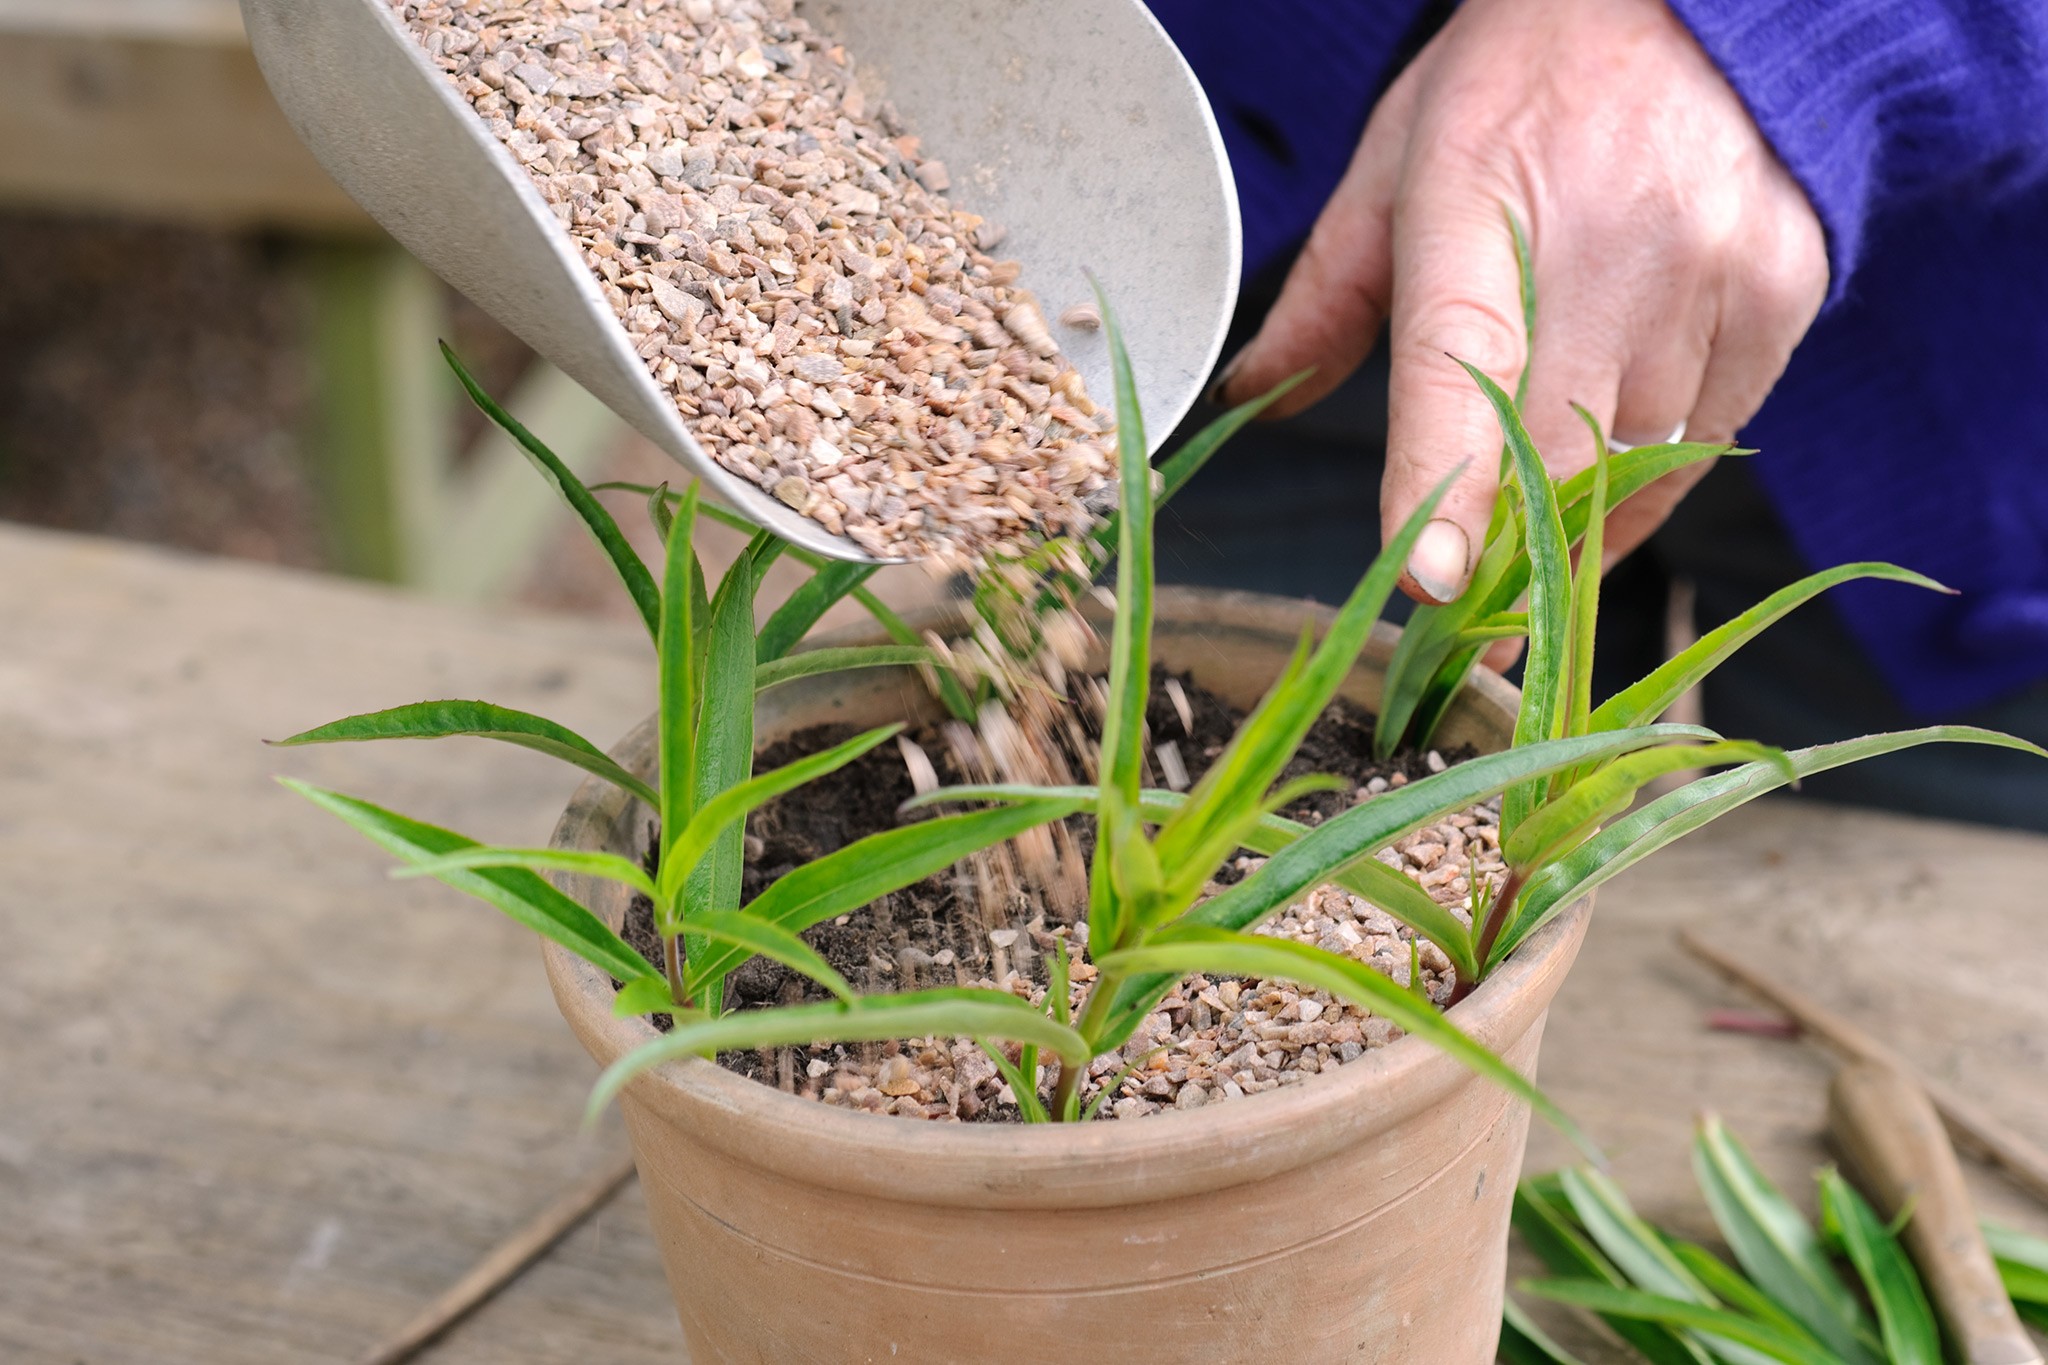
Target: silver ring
1677	434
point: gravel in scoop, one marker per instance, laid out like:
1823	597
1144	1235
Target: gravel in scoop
786	262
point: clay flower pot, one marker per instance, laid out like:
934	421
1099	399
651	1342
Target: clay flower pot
1360	1215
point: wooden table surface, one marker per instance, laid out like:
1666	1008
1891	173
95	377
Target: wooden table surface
258	1102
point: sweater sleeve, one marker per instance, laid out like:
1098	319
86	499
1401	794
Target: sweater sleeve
1872	103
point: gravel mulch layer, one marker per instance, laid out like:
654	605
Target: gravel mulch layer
1210	1041
786	262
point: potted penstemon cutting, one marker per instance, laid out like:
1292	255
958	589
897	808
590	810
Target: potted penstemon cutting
1361	1213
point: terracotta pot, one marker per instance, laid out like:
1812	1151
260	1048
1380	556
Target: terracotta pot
1360	1215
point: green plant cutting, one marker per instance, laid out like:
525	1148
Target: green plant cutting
1791	1296
711	662
1566	784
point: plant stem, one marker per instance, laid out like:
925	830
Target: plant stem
1489	932
1066	1095
672	964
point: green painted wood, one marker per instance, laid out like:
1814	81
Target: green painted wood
383	405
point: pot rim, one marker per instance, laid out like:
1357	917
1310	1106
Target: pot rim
1077	1165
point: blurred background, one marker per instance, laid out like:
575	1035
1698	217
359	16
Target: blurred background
205	344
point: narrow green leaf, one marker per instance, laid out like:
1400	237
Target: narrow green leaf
645	490
1225	800
523	895
1633	1245
851	877
1550	591
1365	877
2024	1284
818	594
1422	648
658	513
1774	1245
1671	816
1670	1312
1372	880
1726	1283
1645	1257
723	811
725	755
1024	1090
1672	679
1629	472
2022	1259
1364	829
577	861
1522	1342
1121	760
1649	1261
1525	276
1200	948
1586	585
1428	665
1569	817
1487	634
952	1012
951	693
676	648
1292	790
1443	690
481	720
1540	1216
812	662
625	560
1130	671
1905	1320
1354	834
1114	1081
758	937
643	995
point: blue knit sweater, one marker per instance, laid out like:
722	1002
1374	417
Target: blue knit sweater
1912	424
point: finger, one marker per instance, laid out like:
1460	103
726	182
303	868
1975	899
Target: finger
1658	394
1500	656
1769	303
1457	293
1575	360
1335	298
1632	523
1661	387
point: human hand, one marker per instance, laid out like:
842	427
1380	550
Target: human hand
1676	261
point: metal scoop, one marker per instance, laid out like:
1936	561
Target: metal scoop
1074	123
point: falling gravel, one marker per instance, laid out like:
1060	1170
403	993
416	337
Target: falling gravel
785	261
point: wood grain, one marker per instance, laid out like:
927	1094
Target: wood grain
1893	1146
152	110
259	1103
1973	1125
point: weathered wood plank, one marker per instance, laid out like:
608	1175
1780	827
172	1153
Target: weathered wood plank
1929	934
258	1103
154	110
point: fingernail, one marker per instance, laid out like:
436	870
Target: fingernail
1440	558
1223	378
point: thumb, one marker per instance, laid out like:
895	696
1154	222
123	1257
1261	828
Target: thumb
1457	296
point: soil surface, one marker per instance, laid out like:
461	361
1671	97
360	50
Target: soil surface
943	931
